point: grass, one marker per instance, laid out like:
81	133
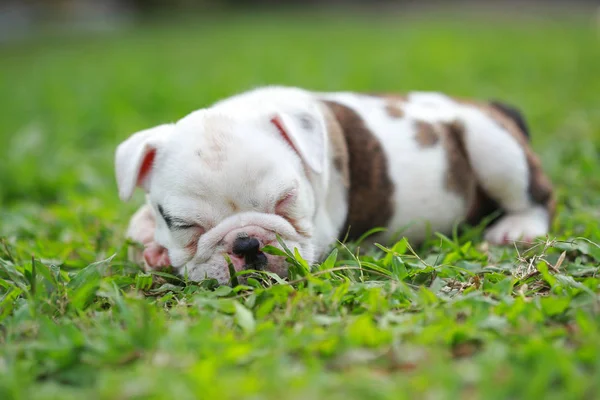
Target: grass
453	318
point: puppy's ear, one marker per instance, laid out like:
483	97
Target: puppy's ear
306	134
134	159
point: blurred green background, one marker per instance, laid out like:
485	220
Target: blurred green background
71	91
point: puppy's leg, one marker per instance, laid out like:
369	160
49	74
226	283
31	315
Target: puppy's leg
141	229
510	174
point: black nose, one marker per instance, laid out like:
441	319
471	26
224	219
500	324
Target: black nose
249	248
246	246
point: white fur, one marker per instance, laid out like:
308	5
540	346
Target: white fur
233	153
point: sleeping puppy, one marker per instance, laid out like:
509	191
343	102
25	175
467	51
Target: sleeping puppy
224	181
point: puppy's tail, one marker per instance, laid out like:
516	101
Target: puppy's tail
514	114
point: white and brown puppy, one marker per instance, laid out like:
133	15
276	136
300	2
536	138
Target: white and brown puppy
314	167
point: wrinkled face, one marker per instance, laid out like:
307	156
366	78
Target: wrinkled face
224	189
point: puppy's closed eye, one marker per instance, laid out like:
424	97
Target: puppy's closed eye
176	223
186	226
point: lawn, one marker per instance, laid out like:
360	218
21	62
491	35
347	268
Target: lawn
453	318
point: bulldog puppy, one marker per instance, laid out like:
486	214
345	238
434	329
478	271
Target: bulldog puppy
313	168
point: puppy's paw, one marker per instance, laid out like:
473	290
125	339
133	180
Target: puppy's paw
142	225
519	227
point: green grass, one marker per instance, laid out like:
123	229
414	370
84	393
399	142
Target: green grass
453	319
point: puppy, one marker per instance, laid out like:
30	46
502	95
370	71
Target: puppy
224	181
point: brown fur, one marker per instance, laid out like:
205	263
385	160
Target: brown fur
393	109
233	205
426	135
371	189
460	178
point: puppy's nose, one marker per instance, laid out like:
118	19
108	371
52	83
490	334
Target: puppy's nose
246	246
249	248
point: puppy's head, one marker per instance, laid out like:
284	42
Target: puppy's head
223	186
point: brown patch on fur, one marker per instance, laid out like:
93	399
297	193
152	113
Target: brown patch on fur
233	205
395	97
394	103
460	178
338	145
394	110
426	134
371	189
540	188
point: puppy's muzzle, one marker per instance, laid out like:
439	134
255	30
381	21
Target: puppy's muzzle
248	248
241	239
